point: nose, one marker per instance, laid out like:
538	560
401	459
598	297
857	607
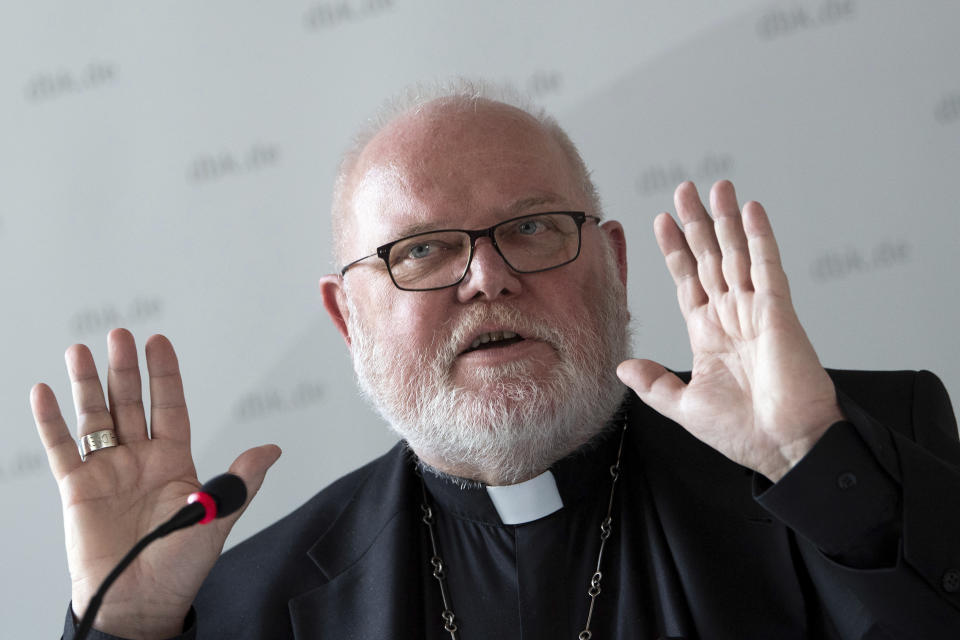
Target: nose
489	277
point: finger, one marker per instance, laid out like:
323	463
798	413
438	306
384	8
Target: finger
123	387
62	454
733	241
766	270
698	229
92	414
656	386
252	466
168	409
680	262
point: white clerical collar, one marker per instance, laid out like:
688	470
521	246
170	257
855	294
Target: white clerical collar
527	501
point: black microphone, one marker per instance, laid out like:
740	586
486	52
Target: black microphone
218	497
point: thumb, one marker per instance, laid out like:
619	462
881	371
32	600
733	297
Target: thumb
656	386
251	466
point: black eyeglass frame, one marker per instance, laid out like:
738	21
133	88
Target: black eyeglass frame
383	251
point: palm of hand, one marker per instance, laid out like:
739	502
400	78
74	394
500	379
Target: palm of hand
758	393
120	494
112	503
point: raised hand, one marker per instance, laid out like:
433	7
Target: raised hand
758	393
119	494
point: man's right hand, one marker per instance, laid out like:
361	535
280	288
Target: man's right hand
120	494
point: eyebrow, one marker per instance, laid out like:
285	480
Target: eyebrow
515	209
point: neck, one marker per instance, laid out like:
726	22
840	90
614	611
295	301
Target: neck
476	477
466	479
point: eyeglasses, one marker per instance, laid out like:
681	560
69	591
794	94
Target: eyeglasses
441	258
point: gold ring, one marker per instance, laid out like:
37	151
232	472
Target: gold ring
103	439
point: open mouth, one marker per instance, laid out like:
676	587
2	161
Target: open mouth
493	340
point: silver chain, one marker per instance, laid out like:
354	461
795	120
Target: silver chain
439	569
436	565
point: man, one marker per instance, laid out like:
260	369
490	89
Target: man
483	300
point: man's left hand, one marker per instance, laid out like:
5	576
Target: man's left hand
758	393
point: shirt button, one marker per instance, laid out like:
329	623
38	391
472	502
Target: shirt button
951	581
846	480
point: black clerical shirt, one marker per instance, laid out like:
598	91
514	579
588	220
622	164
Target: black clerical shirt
530	580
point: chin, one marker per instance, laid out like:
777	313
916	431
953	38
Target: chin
508	430
527	371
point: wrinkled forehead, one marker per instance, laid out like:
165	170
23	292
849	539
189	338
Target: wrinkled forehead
455	167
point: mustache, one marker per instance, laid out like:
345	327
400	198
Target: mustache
452	334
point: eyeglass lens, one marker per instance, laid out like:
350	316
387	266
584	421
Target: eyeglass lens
531	243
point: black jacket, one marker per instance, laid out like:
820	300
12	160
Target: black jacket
732	556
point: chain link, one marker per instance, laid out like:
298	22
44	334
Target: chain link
437	566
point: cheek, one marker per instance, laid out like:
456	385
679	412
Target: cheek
374	305
410	319
577	303
570	295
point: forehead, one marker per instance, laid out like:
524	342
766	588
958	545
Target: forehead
464	166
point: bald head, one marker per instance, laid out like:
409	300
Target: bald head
415	150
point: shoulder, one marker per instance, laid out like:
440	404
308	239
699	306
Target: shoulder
913	403
297	531
273	565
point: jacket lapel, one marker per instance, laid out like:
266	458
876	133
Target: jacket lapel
731	558
370	558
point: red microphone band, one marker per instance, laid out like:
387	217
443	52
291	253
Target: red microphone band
209	505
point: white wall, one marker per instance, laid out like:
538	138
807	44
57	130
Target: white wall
167	167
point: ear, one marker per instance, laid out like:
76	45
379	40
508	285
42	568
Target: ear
613	231
335	302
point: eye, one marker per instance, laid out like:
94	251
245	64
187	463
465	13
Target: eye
529	227
426	249
421	250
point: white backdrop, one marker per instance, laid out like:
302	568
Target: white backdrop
167	167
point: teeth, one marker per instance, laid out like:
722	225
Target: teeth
493	336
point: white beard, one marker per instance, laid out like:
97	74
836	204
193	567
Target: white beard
516	424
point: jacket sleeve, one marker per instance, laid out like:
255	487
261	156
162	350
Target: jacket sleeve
70	628
876	510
